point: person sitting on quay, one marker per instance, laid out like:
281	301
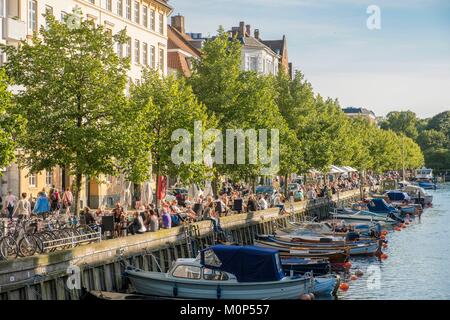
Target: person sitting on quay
166	218
262	203
89	218
153	224
252	205
137	226
42	206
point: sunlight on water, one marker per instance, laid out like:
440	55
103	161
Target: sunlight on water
418	266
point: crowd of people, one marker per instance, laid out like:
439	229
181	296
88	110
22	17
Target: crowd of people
44	204
233	198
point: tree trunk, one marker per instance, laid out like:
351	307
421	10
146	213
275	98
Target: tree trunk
215	184
77	189
157	191
136	194
286	186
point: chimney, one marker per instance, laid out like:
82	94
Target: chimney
178	23
257	34
248	30
242	29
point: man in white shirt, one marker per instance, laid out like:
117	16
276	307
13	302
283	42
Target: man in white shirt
262	203
23	208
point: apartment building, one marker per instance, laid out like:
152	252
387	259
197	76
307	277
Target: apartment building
146	25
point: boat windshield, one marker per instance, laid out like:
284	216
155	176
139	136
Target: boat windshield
186	271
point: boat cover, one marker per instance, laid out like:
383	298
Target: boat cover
378	205
398	196
247	263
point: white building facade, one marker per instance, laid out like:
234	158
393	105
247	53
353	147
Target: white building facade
144	20
146	25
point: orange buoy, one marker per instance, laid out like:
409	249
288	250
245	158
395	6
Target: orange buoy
347	265
344	286
384	232
382	237
353	277
397	229
384	256
385	245
359	273
305	297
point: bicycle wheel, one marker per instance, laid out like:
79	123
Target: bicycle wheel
39	237
8	248
27	246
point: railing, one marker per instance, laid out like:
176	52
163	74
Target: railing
73	240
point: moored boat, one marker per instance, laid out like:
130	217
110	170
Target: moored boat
224	272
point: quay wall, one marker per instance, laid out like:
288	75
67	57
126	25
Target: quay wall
100	265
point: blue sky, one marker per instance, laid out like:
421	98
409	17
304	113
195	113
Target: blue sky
405	65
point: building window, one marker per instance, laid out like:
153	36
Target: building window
145	54
2	8
120	50
253	63
32	180
137	51
145	16
161	23
161	60
137	12
152	57
129	48
109	5
63	16
152	20
32	15
48	178
120	8
128	9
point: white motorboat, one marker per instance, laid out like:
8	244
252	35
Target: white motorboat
224	272
418	193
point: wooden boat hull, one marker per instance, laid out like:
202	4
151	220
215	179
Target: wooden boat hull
355	248
334	256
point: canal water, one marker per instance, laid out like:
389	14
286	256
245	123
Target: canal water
418	264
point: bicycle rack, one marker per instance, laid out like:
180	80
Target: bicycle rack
73	240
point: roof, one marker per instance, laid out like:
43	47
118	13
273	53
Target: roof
255	43
178	61
247	263
178	40
277	46
358	110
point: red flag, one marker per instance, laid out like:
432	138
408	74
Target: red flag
162	185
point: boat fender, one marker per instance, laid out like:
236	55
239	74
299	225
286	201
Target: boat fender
175	290
344	286
219	292
354	277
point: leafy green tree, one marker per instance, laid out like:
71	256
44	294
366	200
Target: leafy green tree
9	124
169	104
441	123
401	122
433	139
73	95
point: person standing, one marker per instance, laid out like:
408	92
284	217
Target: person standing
42	205
10	204
67	200
23	208
154	223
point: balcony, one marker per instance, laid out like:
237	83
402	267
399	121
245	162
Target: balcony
14	30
